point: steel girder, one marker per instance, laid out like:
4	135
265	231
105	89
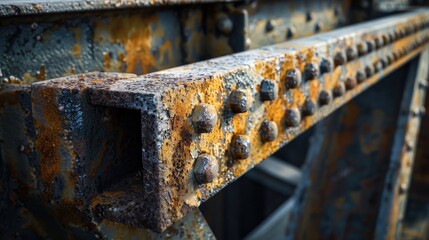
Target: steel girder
144	151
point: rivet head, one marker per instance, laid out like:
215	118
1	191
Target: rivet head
423	83
317	27
396	56
325	97
309	16
378	66
403	188
397	34
339	59
350	83
362	49
269	90
238	101
369	71
268	131
225	25
369	45
325	66
409	145
392	36
378	42
206	168
384	62
351	53
389	59
240	147
292	117
290	32
204	118
311	71
339	89
269	26
386	39
308	108
293	78
360	76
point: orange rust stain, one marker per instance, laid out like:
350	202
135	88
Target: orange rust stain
166	49
134	32
106	61
76	51
48	139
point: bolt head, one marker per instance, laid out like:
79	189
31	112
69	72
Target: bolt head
378	42
360	76
325	66
325	97
362	49
269	90
351	53
409	145
240	147
269	27
350	83
369	71
378	66
293	78
204	118
290	32
339	89
268	131
317	27
369	45
386	39
339	59
308	108
292	117
384	62
238	101
423	83
403	188
309	16
206	168
311	71
392	36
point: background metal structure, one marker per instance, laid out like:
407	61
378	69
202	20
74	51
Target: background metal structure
88	154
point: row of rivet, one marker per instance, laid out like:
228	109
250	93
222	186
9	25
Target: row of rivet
204	116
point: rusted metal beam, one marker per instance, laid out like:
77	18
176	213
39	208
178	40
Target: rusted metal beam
215	112
143	40
24	7
340	194
398	178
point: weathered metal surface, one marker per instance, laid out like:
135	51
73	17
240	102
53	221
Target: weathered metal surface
35	48
346	165
25	7
415	224
390	5
275	21
166	101
48	196
39	48
401	163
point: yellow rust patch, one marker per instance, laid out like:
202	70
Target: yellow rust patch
135	33
48	138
